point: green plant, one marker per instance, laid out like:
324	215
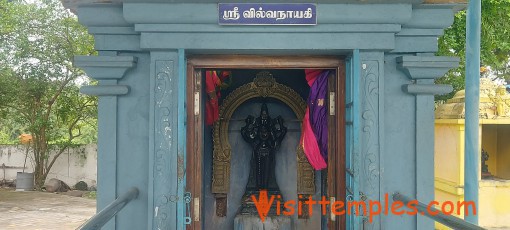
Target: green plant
494	45
90	195
39	86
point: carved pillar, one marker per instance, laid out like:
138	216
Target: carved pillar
166	159
371	88
107	70
422	70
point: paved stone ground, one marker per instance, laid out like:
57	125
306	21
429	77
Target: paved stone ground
42	210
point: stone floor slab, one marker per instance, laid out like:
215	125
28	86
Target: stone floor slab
41	210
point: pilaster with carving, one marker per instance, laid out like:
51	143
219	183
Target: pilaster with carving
163	169
369	159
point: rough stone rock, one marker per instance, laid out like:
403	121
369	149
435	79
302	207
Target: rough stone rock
81	185
56	185
92	188
8	183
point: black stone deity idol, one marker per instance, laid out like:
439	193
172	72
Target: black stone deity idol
264	135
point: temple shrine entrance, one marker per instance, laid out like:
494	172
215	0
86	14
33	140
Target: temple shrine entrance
244	136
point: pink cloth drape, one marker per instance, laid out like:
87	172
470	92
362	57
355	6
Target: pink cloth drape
310	145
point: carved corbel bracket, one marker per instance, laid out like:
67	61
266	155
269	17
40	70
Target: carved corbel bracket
105	69
104	90
423	70
432	89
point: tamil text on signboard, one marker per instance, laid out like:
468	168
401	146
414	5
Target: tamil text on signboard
266	14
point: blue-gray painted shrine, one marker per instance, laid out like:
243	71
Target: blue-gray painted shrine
389	52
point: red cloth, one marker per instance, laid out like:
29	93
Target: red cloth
212	89
311	75
212	81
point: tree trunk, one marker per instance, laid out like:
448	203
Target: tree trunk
39	181
38	176
40	160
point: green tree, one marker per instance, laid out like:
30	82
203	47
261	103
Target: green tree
494	45
38	82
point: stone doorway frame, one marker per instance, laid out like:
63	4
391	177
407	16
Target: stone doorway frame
195	119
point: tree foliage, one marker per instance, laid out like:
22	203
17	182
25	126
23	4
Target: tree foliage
494	45
39	86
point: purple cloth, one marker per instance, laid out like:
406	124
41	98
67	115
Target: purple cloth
318	105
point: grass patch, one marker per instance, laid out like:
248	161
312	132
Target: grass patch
90	195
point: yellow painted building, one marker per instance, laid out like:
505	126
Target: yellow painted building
494	189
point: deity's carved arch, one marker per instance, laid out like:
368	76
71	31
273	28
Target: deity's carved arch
265	86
